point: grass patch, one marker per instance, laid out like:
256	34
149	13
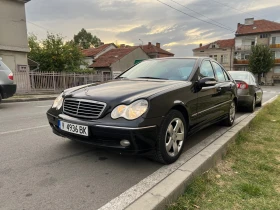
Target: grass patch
248	177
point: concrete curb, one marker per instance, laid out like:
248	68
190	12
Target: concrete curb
27	99
174	185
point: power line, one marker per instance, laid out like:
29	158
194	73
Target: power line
202	15
195	17
239	10
38	26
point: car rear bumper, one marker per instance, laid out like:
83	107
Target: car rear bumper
8	90
245	100
142	139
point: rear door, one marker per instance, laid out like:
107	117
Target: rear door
224	87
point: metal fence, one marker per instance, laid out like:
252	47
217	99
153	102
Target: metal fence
54	82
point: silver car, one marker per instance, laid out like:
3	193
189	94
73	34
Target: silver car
7	86
249	92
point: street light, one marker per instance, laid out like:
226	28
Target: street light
142	43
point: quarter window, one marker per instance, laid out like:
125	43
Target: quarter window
219	72
206	70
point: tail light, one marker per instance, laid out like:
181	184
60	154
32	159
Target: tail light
11	76
242	85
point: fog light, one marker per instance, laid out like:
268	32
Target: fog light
124	143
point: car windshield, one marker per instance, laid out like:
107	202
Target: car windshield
166	69
240	75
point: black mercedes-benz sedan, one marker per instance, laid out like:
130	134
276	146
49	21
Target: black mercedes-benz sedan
149	109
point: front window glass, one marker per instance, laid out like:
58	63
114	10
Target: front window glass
206	70
219	72
168	69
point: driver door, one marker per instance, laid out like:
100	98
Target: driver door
208	98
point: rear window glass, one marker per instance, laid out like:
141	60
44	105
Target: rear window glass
239	75
3	66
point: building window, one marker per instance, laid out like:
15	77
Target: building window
262	36
245	56
216	57
210	56
202	51
253	43
213	46
277	70
224	59
273	54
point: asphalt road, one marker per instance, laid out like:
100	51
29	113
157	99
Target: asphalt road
39	170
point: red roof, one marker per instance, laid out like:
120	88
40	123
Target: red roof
226	43
259	26
91	52
110	57
150	48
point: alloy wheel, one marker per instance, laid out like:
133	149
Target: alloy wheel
174	137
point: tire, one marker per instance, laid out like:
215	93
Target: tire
259	104
231	115
166	151
252	106
0	98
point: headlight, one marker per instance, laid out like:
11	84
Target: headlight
132	111
58	102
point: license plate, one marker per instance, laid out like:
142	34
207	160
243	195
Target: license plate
73	128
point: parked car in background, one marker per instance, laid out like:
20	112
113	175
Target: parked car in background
149	109
7	86
248	90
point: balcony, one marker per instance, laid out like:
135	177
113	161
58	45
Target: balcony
241	62
277	60
243	48
274	46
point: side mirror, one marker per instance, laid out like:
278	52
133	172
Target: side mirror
207	82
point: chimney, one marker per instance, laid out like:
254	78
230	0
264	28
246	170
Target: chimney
200	45
249	21
122	45
149	43
158	45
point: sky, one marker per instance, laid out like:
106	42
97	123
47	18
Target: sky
179	29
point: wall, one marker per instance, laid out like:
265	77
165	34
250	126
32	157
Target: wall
219	52
13	33
12	59
88	60
128	60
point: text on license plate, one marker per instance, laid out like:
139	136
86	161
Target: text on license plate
73	128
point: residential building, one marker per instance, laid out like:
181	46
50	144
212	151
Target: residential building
13	34
115	61
220	50
254	32
155	51
93	53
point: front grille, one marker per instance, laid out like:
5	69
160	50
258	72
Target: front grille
82	108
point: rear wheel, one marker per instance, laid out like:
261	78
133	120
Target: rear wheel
259	104
171	138
231	115
252	106
0	98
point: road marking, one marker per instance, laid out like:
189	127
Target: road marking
25	129
43	106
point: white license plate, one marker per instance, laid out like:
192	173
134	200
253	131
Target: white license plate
73	128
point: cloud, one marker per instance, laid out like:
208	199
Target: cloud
127	21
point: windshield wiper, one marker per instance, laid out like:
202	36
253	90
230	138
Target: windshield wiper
152	78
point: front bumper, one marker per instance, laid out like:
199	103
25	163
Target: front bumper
102	134
8	90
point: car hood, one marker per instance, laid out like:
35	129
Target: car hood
122	91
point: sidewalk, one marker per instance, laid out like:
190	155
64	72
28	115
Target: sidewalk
24	98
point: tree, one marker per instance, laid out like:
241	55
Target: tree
85	39
261	60
53	54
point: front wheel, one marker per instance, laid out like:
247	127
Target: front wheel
171	138
231	115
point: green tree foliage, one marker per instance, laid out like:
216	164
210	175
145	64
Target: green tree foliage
53	54
261	60
85	39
